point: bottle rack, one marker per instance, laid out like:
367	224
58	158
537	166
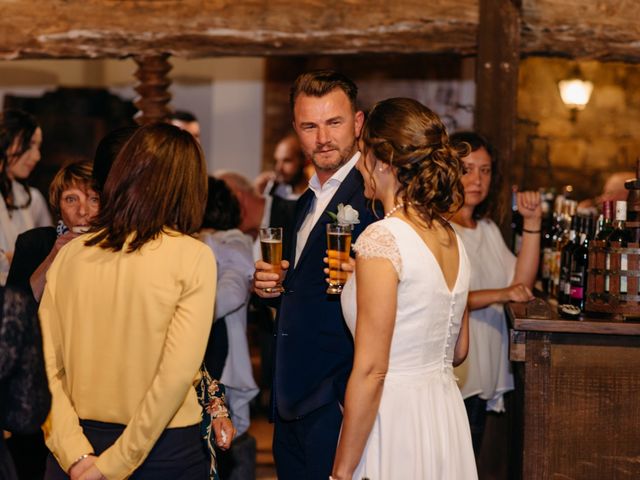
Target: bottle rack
598	300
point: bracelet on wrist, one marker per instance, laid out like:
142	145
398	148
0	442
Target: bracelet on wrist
79	459
526	230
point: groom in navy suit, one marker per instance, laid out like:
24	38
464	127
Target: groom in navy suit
313	348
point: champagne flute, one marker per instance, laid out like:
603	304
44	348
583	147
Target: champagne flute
339	246
271	247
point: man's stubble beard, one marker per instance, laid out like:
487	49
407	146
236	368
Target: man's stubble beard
344	157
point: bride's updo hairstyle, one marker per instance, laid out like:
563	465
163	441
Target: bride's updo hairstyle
412	139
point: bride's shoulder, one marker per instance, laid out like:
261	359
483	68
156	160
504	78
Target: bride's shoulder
381	230
378	241
378	238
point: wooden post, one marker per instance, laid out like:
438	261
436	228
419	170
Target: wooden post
497	79
153	88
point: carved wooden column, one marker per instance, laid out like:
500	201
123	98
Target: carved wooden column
497	81
153	88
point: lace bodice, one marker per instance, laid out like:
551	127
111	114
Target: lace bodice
379	243
428	315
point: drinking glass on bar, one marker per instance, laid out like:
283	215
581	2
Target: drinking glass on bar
271	247
339	246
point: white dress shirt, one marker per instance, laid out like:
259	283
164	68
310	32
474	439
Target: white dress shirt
323	195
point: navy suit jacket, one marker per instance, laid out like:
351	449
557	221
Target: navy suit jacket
313	346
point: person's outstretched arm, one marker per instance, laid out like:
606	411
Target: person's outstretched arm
527	261
529	256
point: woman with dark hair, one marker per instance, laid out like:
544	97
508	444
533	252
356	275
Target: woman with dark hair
107	151
497	277
125	316
21	207
405	304
234	257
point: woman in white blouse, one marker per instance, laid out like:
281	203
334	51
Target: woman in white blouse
497	277
21	207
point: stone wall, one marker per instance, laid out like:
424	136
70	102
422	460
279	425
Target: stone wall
553	150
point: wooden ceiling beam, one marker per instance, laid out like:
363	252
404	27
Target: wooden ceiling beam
604	30
193	28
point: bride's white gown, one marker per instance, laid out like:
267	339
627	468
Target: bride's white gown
421	430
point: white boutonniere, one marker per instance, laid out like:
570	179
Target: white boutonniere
347	215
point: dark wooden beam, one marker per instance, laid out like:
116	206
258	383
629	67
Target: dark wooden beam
605	30
196	28
497	78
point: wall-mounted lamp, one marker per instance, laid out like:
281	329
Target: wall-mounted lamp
575	92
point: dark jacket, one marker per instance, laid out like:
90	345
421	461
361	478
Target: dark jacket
282	214
32	247
314	348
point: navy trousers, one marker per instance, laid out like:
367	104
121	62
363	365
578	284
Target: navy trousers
178	454
305	448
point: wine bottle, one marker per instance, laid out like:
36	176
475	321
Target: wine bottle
633	204
548	228
516	223
565	260
579	266
623	236
560	238
607	224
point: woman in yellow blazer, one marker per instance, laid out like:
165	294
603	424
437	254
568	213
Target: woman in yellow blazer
126	315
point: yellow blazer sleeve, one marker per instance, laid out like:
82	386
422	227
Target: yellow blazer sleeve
183	352
63	433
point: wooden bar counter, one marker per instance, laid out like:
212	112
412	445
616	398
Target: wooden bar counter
577	396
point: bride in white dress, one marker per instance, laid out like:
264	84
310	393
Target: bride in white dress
404	417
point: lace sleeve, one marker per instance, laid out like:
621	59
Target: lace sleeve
378	242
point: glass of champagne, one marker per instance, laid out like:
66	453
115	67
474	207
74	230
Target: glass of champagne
271	247
339	246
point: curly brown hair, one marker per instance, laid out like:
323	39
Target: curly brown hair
411	138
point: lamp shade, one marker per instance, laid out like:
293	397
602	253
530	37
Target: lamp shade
575	92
